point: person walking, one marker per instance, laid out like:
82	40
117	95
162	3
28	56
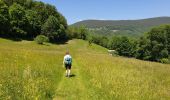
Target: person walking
67	62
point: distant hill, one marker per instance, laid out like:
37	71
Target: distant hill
123	27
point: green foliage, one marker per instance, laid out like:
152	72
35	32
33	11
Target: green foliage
46	10
142	49
34	24
18	20
4	18
41	10
83	33
155	46
24	19
28	4
164	53
124	46
53	29
40	39
78	32
165	61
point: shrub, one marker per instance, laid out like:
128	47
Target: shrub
115	54
40	39
165	61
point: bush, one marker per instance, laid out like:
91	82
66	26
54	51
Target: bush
40	39
165	61
114	53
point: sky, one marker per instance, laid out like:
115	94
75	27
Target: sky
78	10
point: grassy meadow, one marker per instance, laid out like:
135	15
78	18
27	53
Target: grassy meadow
29	71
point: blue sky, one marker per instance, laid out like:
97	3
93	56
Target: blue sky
77	10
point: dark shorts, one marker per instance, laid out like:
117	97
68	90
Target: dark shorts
68	66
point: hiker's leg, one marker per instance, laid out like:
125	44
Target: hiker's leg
69	72
66	72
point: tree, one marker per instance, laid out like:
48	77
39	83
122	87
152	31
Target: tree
11	2
4	18
156	44
63	21
28	4
83	33
34	24
52	11
158	37
123	45
42	13
8	2
113	42
18	21
96	39
53	29
76	32
104	41
25	19
143	49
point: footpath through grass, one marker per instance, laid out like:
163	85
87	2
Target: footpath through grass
34	72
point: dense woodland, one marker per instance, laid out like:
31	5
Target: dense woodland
25	19
29	19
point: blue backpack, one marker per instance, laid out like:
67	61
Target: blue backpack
67	60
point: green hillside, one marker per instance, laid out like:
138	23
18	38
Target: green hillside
34	72
123	27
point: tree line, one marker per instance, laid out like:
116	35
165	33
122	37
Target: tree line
153	46
25	19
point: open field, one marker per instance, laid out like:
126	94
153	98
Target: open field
34	72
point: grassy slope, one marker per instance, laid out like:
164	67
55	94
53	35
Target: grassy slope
31	71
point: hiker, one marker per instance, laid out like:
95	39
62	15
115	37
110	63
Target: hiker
67	62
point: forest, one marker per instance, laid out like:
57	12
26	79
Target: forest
25	19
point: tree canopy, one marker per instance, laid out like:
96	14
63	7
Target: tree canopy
25	19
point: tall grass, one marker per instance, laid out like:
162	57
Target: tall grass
124	79
28	71
34	72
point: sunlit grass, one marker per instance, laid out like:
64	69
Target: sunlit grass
34	72
29	71
123	78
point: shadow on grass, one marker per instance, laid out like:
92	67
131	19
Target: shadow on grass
60	42
72	75
12	39
15	39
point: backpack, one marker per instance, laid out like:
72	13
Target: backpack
67	60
